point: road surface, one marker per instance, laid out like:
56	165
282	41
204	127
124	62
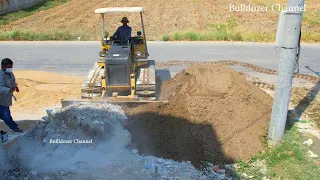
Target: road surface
77	57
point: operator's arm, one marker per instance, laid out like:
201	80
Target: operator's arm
129	34
116	33
3	88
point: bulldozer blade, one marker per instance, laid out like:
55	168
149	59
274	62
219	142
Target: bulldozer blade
109	100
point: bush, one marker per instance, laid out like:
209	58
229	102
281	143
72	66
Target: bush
31	36
191	36
221	35
177	37
165	37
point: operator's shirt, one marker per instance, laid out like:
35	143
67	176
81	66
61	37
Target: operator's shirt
123	33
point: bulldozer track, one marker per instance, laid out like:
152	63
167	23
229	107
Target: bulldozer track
247	66
91	86
146	82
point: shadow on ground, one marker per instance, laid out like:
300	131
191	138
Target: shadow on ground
313	71
175	138
296	114
24	125
307	100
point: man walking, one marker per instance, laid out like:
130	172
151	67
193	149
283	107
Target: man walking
7	87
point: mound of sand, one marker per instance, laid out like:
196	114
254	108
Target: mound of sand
213	114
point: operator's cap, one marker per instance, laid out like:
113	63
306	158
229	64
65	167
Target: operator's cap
124	19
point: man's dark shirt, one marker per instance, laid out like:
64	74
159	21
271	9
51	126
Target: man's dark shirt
123	33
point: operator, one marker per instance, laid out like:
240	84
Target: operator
123	33
7	86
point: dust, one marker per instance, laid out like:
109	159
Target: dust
99	124
37	156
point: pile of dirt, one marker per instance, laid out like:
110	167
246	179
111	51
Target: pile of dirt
213	113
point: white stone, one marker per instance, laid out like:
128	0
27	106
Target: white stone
159	160
222	176
308	142
34	172
97	122
312	154
134	151
221	171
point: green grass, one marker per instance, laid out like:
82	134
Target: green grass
208	36
233	35
220	32
14	16
229	31
165	38
286	161
30	36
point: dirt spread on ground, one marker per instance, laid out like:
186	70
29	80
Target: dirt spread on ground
213	113
39	91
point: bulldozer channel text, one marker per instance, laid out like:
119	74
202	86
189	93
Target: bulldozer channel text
73	141
273	7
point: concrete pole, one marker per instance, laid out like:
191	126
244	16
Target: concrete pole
288	55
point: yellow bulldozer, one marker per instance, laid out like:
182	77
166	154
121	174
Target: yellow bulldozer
123	73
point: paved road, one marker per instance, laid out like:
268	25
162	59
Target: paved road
77	57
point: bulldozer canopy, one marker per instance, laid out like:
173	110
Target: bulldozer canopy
118	10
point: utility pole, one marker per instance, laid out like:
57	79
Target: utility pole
288	37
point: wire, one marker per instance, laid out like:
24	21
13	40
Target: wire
296	66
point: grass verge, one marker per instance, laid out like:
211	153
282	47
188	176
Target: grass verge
230	31
208	36
288	160
31	36
220	32
14	16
